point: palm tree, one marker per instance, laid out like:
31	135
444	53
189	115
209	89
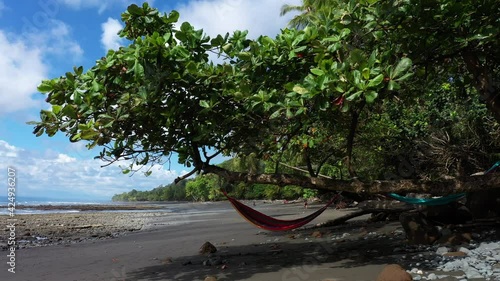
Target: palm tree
309	12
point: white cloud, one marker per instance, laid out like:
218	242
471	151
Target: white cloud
63	158
259	17
21	70
53	173
23	66
109	36
56	40
7	150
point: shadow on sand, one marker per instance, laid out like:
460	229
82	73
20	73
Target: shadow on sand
290	259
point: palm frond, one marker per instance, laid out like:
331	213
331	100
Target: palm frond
285	9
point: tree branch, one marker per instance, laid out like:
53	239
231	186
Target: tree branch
185	176
359	213
302	170
436	188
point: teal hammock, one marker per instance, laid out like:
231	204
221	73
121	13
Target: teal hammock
440	200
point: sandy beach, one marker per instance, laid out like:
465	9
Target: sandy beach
155	245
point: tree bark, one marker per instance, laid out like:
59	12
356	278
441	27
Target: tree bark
437	188
484	83
350	140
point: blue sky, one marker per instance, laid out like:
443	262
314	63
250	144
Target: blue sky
43	39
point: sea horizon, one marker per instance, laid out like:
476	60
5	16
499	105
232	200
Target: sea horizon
165	206
39	201
35	201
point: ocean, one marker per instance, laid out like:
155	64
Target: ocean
169	207
38	201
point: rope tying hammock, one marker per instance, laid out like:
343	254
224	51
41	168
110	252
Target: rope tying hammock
440	200
269	223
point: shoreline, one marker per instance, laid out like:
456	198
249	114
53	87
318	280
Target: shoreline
164	246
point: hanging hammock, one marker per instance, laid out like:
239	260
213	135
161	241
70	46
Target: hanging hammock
269	223
440	200
428	201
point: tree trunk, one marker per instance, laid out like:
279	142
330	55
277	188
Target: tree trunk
437	188
350	140
484	83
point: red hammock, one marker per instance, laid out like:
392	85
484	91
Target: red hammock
266	222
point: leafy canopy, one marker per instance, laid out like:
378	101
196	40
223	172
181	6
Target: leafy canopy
295	94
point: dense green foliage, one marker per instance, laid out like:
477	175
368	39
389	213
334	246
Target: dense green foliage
207	188
171	192
358	87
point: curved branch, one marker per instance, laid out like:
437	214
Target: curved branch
183	177
435	188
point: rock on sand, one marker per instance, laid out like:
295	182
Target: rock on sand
207	248
394	272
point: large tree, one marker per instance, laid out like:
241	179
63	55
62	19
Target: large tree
302	93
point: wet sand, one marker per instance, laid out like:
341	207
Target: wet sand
166	247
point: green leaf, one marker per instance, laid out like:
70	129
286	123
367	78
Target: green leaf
45	87
334	38
186	27
95	86
89	134
393	86
402	66
404	77
354	96
134	10
78	71
227	47
376	81
191	67
317	71
366	73
173	17
181	36
268	40
373	58
39	131
371	96
275	114
204	103
357	76
75	138
245	56
69	111
217	41
138	70
345	32
300	90
56	109
300	111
